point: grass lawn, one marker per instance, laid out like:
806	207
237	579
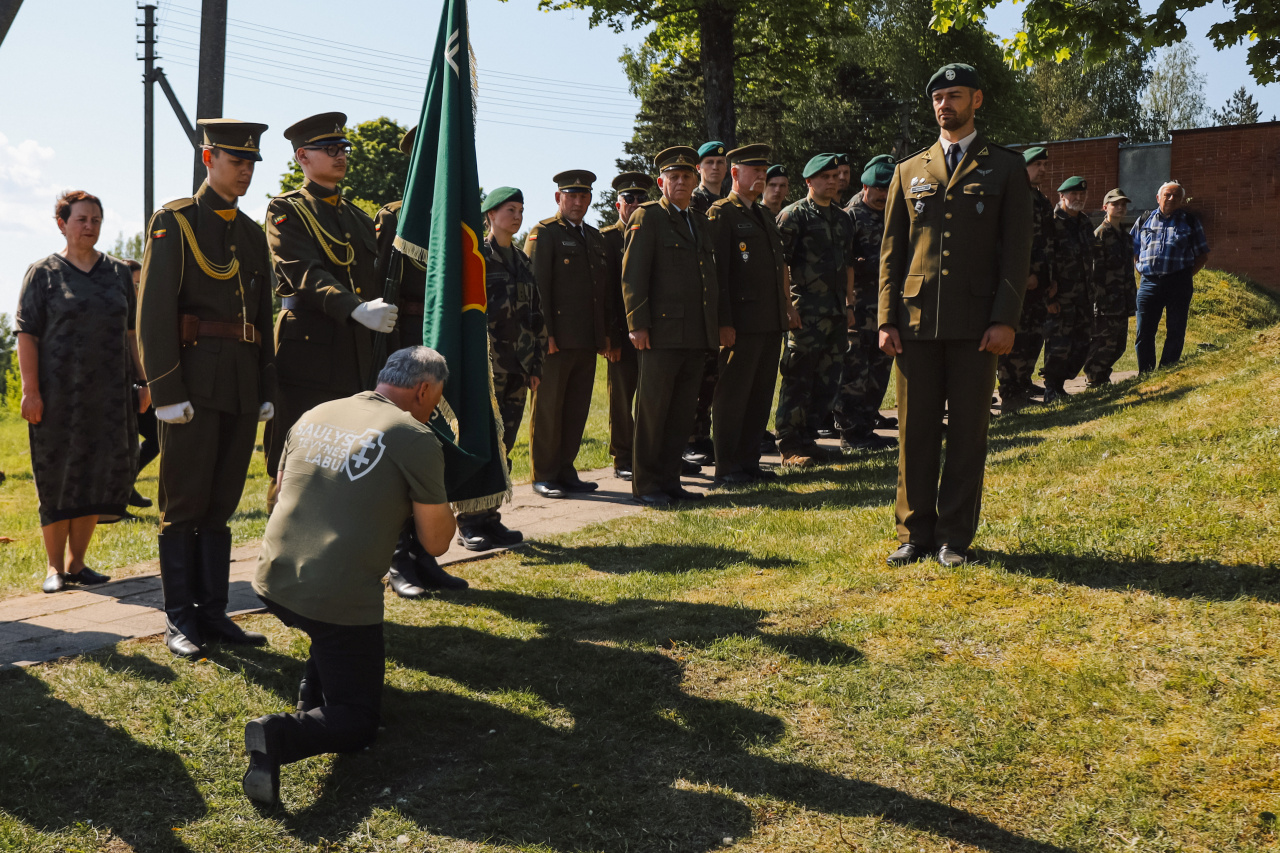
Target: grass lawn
750	675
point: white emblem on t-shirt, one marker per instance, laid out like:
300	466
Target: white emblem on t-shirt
364	452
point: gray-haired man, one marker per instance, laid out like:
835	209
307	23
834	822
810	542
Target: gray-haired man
351	471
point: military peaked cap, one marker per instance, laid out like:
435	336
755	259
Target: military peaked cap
777	170
819	163
318	131
756	154
1115	195
1035	153
501	196
711	149
676	157
1075	182
575	181
878	175
406	141
240	138
955	74
632	181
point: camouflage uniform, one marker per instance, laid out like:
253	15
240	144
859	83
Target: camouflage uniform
1114	298
818	244
1067	332
866	366
1015	368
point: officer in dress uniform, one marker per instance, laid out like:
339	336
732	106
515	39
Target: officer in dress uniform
632	188
670	291
414	571
755	308
953	268
571	263
517	345
713	164
325	254
204	323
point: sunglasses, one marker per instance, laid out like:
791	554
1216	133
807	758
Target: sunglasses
632	198
334	151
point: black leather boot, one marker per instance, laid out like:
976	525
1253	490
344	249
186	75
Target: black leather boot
178	580
214	549
403	576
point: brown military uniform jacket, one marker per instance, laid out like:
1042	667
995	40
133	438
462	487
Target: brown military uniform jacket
412	276
221	373
751	266
669	283
573	282
956	251
318	345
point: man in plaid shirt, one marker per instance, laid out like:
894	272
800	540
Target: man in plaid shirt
1170	248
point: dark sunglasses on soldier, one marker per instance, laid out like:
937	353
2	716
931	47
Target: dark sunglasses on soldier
632	198
332	150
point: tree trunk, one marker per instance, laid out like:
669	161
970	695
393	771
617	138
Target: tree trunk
715	23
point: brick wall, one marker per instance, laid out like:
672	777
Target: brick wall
1232	175
1096	160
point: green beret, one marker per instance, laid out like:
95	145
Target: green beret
1035	153
676	157
1073	183
501	196
955	74
818	163
777	170
756	154
880	158
843	160
1114	196
711	149
238	138
406	141
878	175
318	131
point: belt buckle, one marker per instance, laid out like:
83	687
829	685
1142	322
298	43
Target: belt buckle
247	332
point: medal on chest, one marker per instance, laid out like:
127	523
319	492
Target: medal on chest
742	247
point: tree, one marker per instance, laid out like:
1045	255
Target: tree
1073	99
1174	96
1054	30
376	170
1240	108
126	248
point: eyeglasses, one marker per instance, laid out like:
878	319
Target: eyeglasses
632	198
334	151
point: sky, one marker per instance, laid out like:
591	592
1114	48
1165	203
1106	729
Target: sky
552	96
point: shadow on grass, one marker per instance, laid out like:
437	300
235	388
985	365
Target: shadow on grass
1188	579
62	767
576	744
1079	408
654	557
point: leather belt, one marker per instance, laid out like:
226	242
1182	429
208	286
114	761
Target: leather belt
192	328
289	302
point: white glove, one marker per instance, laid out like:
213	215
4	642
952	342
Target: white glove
178	413
266	412
377	315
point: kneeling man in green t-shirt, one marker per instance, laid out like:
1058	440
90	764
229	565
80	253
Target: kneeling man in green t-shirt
352	470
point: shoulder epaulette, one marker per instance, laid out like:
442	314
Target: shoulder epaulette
655	203
178	203
393	207
550	220
289	194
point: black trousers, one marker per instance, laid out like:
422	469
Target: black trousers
348	662
149	449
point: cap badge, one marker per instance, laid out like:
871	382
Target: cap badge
719	149
249	142
951	74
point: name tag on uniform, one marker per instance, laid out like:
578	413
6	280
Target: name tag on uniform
923	188
568	243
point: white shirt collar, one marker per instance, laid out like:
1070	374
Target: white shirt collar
963	143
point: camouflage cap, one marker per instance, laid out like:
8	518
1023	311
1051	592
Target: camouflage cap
1034	153
777	170
575	181
1114	196
953	74
878	175
755	154
676	157
817	164
239	138
632	181
318	130
406	141
1075	182
501	196
711	149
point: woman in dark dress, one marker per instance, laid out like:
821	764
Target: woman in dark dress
77	355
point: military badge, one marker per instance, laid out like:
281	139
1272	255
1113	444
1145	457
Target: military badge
158	233
279	219
919	207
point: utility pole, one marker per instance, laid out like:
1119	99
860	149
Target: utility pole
8	11
148	43
213	60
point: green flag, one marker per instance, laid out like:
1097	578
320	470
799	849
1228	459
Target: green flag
440	227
